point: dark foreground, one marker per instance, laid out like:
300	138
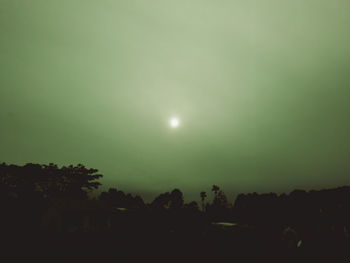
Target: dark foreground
48	215
135	239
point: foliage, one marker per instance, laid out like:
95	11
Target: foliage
48	180
119	199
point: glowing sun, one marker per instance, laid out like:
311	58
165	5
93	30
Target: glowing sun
174	122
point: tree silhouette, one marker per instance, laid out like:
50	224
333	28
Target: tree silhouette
176	199
192	206
161	201
215	189
49	180
113	197
220	199
118	199
220	208
203	195
77	180
173	200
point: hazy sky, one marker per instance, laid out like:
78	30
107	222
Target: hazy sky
261	87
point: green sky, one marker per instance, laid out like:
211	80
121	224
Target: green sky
261	88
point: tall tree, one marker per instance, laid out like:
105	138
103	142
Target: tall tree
176	199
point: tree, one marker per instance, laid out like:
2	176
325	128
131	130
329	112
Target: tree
192	206
220	208
161	201
49	180
173	200
176	199
119	199
215	189
221	200
203	195
113	197
72	181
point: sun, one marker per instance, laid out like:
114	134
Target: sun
174	122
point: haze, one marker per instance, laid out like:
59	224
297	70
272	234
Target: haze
261	88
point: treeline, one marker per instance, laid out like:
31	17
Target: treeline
36	186
43	199
331	206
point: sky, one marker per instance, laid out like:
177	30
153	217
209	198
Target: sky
260	87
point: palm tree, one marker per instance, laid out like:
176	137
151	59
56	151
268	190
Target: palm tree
203	196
